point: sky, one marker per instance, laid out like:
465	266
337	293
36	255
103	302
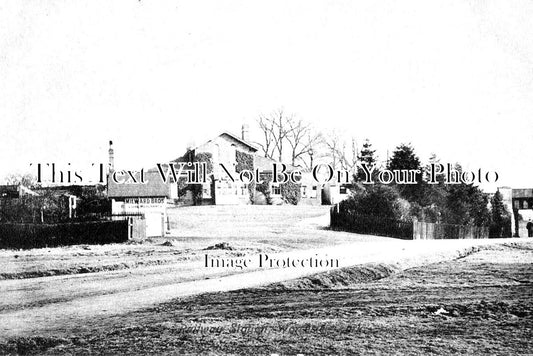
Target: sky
453	78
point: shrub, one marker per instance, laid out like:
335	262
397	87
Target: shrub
372	225
429	213
50	235
245	161
264	187
290	192
93	201
196	189
378	200
378	210
500	218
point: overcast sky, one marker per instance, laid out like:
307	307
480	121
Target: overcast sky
451	77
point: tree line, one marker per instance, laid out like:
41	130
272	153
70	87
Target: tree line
286	137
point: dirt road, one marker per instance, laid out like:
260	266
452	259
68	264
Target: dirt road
103	282
37	305
478	304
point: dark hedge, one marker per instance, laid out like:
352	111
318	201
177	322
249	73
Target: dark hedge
27	236
371	225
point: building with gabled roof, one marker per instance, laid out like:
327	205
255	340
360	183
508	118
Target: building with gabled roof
225	156
519	202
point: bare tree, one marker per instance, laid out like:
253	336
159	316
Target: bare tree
266	125
339	154
284	135
282	130
26	180
351	163
275	130
302	140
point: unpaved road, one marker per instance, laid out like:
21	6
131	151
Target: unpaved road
33	306
155	274
479	304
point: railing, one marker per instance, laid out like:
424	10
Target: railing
371	225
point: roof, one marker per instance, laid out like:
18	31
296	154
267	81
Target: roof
249	144
27	191
235	137
154	187
523	193
183	158
265	164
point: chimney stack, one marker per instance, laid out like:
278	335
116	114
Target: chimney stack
244	133
191	145
111	157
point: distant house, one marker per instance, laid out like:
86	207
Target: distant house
226	153
229	155
55	203
15	191
334	193
522	210
310	190
225	156
133	198
9	191
149	199
129	197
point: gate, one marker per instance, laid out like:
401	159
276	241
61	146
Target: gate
136	224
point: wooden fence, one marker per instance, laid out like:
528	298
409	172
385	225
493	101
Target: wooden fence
371	225
431	231
403	229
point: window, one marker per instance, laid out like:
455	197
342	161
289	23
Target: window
244	189
526	205
343	189
276	189
517	204
231	154
304	191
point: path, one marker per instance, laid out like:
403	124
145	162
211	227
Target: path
63	314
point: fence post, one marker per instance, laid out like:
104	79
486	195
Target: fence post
162	224
130	227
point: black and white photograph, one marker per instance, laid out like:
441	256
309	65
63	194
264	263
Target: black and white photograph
298	177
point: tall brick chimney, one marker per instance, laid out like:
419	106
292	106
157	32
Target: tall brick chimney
111	156
244	132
